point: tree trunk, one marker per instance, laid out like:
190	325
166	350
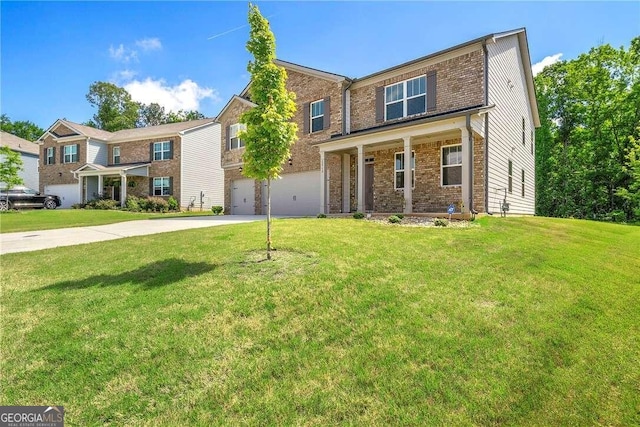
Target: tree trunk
268	218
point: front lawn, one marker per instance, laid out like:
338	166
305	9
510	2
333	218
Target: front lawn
519	321
42	219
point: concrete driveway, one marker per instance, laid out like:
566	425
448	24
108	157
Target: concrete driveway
45	239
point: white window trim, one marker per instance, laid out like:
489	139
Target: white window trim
405	98
233	133
168	153
74	150
395	171
50	155
114	155
161	186
311	116
442	165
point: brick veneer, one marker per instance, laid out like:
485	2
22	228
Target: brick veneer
60	173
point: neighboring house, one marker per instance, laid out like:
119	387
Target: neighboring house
28	153
81	163
464	116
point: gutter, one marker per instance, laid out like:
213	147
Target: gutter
346	114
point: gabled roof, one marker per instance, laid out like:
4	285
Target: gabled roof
312	71
18	144
235	98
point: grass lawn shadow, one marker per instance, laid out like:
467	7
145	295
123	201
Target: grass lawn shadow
156	274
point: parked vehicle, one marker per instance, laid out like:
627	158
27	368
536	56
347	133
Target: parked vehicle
24	197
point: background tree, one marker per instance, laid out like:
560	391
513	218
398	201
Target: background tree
10	167
22	128
116	109
151	115
270	133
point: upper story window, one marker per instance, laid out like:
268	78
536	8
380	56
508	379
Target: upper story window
234	141
451	165
116	155
70	153
399	171
50	156
161	150
317	116
406	98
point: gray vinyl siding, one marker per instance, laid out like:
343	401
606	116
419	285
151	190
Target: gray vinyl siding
201	168
97	153
508	92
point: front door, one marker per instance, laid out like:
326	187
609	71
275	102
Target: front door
368	187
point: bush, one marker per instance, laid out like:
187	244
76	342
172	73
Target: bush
102	204
358	215
401	216
321	215
77	206
133	204
217	210
395	219
157	204
440	222
172	204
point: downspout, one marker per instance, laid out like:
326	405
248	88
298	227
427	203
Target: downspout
470	142
486	128
345	88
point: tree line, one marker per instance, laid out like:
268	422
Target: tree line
588	147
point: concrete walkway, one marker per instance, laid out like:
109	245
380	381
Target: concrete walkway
45	239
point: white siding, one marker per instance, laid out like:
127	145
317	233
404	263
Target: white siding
508	91
29	173
201	169
97	153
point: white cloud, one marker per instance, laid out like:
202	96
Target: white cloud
547	60
184	96
122	53
149	44
123	75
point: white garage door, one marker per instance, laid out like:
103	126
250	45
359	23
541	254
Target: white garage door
243	197
68	193
295	194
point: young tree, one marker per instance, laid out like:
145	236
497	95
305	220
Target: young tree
270	133
10	166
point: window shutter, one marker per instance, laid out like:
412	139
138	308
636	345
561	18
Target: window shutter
380	104
171	185
77	152
327	113
151	185
306	128
228	137
61	154
171	149
151	152
431	91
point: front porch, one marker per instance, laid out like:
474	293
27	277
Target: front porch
111	182
367	172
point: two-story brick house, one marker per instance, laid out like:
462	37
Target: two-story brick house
80	163
464	116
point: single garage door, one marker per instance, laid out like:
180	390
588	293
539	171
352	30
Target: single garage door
68	193
243	197
294	194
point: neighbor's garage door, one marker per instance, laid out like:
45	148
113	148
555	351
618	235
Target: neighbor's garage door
243	197
68	193
295	194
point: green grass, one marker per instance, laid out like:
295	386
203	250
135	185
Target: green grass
518	321
41	219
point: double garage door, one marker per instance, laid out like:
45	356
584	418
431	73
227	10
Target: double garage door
68	193
294	194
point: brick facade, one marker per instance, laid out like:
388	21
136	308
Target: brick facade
60	173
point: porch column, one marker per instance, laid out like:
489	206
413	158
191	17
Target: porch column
100	185
123	190
408	195
466	169
361	207
323	180
346	183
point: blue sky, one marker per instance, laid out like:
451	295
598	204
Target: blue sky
192	55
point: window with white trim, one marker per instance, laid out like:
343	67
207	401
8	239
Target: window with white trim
451	165
161	186
70	153
162	150
234	141
316	115
116	155
406	98
399	171
50	156
510	175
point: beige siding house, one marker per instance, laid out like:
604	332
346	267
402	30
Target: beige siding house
80	163
28	153
453	128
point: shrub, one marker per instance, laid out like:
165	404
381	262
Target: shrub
133	204
358	215
157	204
172	204
440	222
217	210
401	216
77	206
395	219
102	204
321	215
